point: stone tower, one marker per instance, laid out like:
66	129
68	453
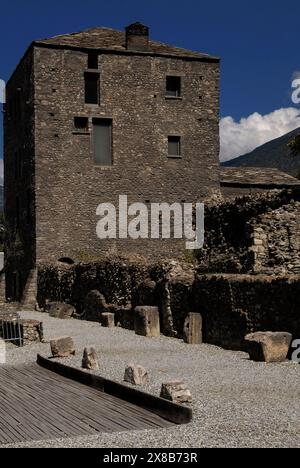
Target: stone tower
94	115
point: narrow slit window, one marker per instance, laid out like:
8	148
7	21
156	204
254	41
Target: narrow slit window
17	212
102	139
28	206
16	164
93	62
91	88
174	146
173	86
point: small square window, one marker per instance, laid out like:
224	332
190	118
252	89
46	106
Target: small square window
93	62
81	123
174	146
173	88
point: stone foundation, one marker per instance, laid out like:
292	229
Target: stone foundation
31	331
231	306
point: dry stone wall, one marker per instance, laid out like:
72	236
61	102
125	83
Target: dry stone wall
253	235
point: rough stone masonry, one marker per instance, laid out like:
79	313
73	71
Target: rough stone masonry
94	115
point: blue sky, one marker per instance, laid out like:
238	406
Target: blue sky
258	42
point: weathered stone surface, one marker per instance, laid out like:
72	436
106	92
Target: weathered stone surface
192	330
62	347
95	305
60	310
90	359
136	375
31	331
51	85
145	293
268	346
147	322
176	391
265	238
108	320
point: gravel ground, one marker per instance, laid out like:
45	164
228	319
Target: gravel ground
237	403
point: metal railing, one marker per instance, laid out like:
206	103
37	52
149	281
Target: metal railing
10	328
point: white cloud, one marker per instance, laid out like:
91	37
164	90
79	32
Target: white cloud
238	138
1	171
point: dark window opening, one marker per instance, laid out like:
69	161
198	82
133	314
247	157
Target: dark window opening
66	261
174	146
18	164
93	61
17	212
28	206
173	86
81	123
16	286
91	88
102	138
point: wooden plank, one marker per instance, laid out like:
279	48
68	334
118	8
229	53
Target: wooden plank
98	406
127	408
172	412
38	404
122	409
42	414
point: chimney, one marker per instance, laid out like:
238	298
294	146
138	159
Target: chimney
137	37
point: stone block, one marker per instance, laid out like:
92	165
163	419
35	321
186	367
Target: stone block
136	375
60	310
268	346
147	322
108	320
95	305
90	359
176	391
192	331
62	347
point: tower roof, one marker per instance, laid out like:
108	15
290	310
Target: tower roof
113	40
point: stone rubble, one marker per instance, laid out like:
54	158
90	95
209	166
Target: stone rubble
136	375
176	391
62	347
268	346
90	359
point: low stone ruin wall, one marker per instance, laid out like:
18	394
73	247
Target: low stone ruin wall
121	283
257	234
276	239
234	305
231	305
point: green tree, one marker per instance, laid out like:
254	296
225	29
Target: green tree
294	145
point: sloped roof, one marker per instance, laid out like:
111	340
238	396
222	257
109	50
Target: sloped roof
256	176
113	40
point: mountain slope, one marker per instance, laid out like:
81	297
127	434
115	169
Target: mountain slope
275	154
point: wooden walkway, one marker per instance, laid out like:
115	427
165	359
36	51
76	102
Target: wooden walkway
37	404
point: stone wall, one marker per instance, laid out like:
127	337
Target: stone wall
232	192
235	305
19	171
276	239
257	234
231	305
69	186
122	284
